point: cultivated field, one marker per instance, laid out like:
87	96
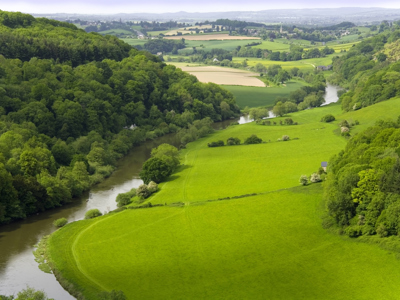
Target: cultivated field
208	37
215	44
220	75
258	96
267	246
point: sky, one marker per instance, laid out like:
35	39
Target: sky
160	6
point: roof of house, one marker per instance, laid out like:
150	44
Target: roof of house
324	164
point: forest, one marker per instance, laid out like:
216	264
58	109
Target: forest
65	122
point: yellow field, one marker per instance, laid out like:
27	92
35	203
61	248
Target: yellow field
209	37
226	76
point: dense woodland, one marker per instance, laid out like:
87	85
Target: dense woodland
362	189
370	74
65	122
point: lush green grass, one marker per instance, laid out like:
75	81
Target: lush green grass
116	31
208	45
270	246
210	173
274	46
134	42
304	64
261	96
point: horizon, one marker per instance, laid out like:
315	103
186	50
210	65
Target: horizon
103	7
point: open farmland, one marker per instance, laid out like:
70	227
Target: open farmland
266	246
225	76
261	96
208	37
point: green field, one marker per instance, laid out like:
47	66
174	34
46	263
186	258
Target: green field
117	31
218	44
134	42
261	96
267	246
304	64
274	46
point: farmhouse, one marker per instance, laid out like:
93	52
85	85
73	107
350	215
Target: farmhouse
324	164
324	68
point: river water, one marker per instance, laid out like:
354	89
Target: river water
18	268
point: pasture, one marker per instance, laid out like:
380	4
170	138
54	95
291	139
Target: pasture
304	64
228	45
221	75
267	246
208	37
134	42
261	96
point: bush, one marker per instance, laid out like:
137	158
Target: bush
354	231
152	187
216	144
253	140
93	213
233	141
289	121
143	192
125	198
382	230
60	222
328	118
315	177
344	123
303	180
285	138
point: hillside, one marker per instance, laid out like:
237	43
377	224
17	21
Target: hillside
268	242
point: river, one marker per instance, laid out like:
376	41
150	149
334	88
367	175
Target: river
18	268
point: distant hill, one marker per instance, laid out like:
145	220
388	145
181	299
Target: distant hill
310	16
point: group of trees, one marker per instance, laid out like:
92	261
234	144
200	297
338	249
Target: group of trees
367	72
163	161
24	37
362	191
160	45
62	128
298	53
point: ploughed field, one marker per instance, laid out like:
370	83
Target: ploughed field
270	245
225	76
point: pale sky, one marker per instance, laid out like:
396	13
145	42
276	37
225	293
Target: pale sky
159	6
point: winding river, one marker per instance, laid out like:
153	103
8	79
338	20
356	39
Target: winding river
18	268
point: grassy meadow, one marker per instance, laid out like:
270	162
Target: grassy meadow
261	96
266	246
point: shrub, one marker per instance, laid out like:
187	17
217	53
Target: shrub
152	187
303	180
354	231
328	118
125	198
93	213
233	141
344	123
289	121
382	230
285	138
60	222
216	144
315	178
143	192
253	140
